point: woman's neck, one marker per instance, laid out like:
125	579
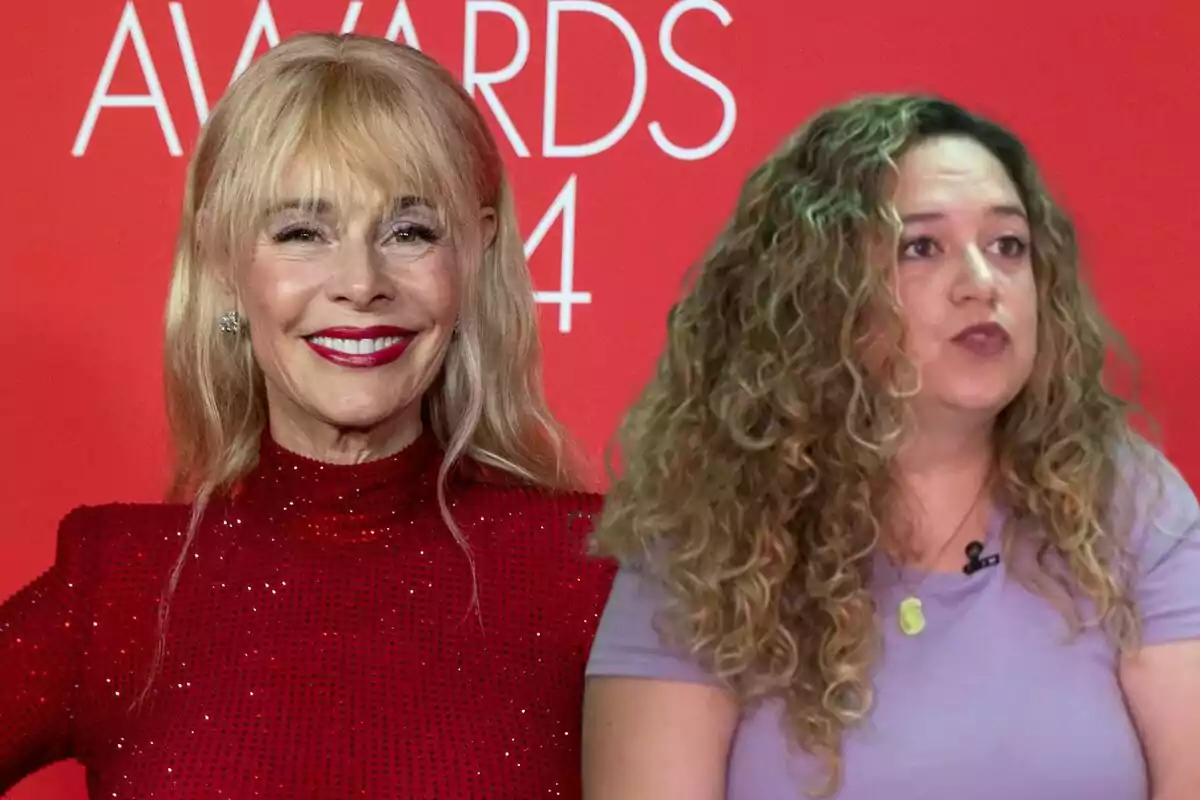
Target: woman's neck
295	497
330	444
943	491
929	451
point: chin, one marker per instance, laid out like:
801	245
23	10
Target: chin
978	395
993	402
360	414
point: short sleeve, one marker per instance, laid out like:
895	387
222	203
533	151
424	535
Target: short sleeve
1167	541
627	644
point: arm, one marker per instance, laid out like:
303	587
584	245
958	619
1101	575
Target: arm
655	726
1161	681
40	648
652	739
1162	688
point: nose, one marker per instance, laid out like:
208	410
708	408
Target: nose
360	277
977	278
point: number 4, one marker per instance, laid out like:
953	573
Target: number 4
565	296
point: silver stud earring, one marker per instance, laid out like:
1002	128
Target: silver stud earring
230	322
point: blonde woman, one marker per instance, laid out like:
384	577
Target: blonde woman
885	533
371	581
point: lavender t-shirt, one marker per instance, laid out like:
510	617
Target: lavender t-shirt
992	701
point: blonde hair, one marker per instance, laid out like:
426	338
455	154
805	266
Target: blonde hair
759	460
371	121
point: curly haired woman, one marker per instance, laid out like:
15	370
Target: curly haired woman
884	532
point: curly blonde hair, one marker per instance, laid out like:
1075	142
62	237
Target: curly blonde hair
757	465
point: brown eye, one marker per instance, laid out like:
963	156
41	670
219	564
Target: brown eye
919	247
299	234
1012	246
411	233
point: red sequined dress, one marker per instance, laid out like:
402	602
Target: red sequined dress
321	641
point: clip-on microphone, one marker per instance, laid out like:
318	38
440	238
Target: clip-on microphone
974	563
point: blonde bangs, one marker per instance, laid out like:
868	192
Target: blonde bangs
346	136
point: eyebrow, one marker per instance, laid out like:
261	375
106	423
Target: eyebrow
326	207
995	211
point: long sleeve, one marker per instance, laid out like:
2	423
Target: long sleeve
41	635
321	641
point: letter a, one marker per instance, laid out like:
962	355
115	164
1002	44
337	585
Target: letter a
128	29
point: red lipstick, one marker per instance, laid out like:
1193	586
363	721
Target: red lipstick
360	348
984	340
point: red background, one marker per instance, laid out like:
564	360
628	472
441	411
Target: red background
1105	95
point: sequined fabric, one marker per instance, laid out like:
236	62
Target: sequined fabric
321	644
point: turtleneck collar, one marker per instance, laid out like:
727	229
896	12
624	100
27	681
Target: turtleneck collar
299	496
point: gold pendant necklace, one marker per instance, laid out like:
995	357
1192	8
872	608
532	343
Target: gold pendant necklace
911	616
910	613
